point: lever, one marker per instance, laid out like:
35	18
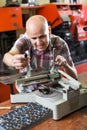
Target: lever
28	67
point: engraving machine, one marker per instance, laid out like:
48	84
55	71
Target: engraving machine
64	96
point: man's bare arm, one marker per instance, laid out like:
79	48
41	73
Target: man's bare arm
8	57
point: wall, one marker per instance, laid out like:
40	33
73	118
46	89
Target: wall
78	1
68	1
83	1
2	2
40	2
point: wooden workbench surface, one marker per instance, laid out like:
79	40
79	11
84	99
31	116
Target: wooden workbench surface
75	121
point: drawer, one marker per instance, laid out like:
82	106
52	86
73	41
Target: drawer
10	19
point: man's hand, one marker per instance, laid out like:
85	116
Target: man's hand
19	61
60	61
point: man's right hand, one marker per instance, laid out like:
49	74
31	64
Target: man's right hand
19	61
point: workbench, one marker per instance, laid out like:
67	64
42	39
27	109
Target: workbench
74	121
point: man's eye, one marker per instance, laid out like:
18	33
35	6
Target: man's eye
34	38
42	36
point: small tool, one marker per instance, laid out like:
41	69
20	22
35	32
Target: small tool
28	67
9	107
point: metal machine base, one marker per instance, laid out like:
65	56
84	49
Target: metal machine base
56	102
62	107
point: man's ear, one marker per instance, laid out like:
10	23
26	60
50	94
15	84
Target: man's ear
49	29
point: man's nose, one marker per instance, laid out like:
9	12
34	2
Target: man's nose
38	40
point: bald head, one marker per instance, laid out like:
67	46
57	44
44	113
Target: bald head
38	32
36	23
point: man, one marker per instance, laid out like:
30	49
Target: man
39	41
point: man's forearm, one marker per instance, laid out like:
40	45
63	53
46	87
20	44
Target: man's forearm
70	70
7	59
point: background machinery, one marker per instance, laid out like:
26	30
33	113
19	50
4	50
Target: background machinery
69	21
